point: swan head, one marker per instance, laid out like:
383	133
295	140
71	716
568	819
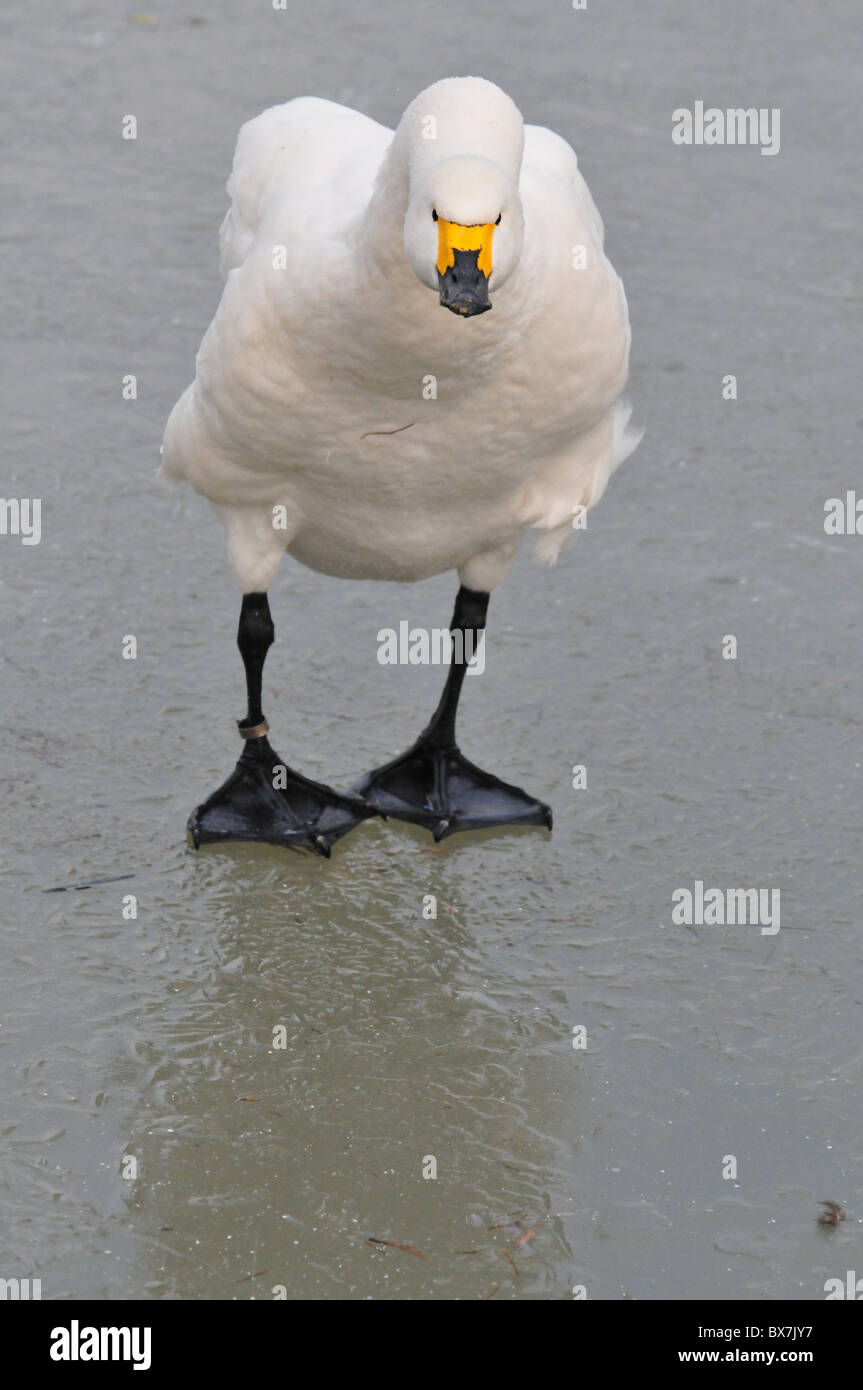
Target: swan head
463	231
462	142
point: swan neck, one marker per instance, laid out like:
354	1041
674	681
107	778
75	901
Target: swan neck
381	230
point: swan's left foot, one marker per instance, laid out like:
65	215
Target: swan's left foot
440	789
433	784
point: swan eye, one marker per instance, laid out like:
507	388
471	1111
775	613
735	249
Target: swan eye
434	215
499	216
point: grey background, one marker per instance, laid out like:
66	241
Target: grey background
409	1037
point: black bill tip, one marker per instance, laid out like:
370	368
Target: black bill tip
463	286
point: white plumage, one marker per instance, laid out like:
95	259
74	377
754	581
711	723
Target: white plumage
394	439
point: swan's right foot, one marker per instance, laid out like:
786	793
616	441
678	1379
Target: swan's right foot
265	800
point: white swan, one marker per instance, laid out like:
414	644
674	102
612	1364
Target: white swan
340	414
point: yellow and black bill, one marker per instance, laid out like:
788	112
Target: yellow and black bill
464	267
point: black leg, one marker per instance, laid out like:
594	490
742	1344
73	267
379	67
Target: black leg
468	616
264	799
255	636
433	784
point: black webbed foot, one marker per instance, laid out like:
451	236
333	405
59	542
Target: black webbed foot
439	788
265	800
